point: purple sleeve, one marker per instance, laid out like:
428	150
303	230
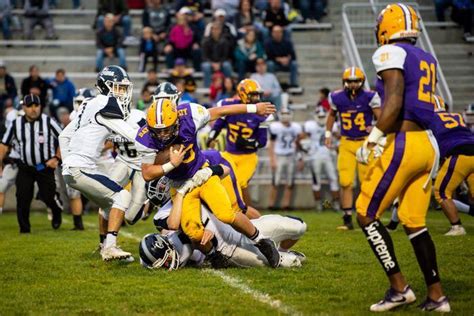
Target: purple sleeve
262	136
218	126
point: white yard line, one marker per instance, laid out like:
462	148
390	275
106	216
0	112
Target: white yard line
261	297
231	281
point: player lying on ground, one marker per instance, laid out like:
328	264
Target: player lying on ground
173	249
172	130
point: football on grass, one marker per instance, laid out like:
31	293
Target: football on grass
163	157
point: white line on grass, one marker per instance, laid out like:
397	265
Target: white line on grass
234	282
257	295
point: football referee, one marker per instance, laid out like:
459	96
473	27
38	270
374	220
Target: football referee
37	137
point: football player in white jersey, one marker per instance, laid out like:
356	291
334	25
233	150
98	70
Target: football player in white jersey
10	170
127	168
285	136
321	158
231	248
81	145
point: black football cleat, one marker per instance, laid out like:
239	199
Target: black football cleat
268	249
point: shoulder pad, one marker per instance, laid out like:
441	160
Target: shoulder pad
111	109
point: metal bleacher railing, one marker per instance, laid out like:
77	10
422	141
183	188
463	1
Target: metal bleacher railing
358	22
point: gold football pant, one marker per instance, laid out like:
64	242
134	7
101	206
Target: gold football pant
347	163
246	165
455	169
401	171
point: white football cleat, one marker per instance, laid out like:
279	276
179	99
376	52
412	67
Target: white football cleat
289	260
394	299
114	253
440	306
456	230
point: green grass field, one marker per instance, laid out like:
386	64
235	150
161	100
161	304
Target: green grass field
55	272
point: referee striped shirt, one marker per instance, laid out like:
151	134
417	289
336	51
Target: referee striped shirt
37	140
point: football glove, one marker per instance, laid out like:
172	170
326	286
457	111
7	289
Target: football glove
201	176
246	143
363	153
186	187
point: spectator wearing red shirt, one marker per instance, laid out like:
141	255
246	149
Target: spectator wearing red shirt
323	99
181	41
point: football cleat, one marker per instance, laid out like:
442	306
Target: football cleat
392	226
442	305
394	299
456	230
300	255
114	253
289	260
218	260
347	225
268	249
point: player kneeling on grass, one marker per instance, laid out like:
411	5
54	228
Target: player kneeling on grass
170	127
172	249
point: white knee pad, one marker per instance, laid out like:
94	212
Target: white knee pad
122	200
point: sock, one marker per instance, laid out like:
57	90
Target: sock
77	220
102	238
347	210
381	243
111	239
426	255
1	210
457	223
256	236
462	207
394	217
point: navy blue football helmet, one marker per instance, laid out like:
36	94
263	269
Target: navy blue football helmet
156	251
81	95
158	191
114	81
167	90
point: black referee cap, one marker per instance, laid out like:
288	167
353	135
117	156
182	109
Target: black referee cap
30	99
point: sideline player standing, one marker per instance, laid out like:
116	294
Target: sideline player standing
408	161
356	108
82	142
245	133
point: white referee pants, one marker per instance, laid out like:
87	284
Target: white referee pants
123	174
276	227
286	168
317	166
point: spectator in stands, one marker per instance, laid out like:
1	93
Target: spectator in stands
244	19
216	54
323	99
196	19
228	90
217	85
152	81
312	10
185	96
440	8
268	82
109	44
281	55
148	49
8	92
5	15
181	41
246	53
228	29
37	13
229	6
119	11
462	14
157	16
63	92
36	85
145	100
276	14
180	72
